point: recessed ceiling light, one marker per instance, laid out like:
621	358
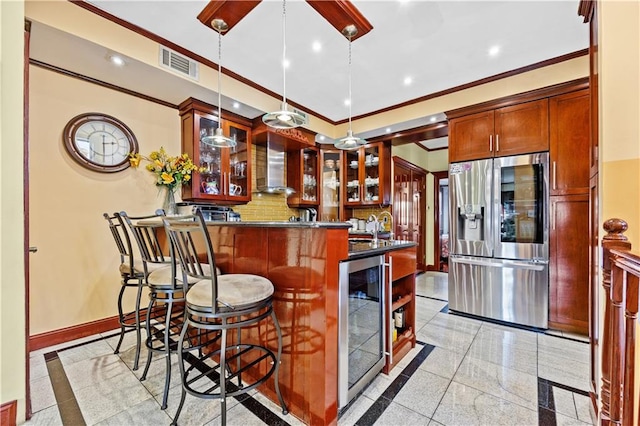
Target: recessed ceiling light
347	102
494	50
388	130
316	46
321	137
433	119
408	80
236	105
116	60
286	63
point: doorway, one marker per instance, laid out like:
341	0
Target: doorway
441	221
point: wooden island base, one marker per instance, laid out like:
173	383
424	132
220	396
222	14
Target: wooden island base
302	261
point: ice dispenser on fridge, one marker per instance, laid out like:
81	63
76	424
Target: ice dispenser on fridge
471	219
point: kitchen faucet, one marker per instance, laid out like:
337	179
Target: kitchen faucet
386	213
376	220
375	227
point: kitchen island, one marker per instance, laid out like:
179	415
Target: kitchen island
302	260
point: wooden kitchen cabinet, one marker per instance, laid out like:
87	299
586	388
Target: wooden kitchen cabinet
515	129
367	174
303	177
400	281
569	143
569	263
409	206
227	178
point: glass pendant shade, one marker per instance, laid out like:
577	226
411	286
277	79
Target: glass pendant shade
350	142
283	119
219	139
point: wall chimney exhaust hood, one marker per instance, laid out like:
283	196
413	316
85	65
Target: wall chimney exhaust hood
271	147
270	172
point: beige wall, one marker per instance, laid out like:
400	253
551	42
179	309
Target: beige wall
619	114
76	266
12	285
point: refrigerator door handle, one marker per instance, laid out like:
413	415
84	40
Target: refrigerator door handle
535	265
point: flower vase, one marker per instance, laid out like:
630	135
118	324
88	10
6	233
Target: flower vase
169	205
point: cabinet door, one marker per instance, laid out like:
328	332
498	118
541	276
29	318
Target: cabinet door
402	204
521	129
237	167
569	263
373	175
353	170
302	176
569	143
471	137
330	183
207	184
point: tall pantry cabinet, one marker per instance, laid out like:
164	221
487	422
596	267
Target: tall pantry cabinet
569	208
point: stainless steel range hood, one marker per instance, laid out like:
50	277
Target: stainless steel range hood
270	169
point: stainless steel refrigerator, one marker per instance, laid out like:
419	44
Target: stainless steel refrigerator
499	241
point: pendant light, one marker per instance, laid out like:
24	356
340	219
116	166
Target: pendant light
350	142
283	119
219	139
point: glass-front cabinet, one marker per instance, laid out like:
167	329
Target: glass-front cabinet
365	176
302	176
330	161
227	175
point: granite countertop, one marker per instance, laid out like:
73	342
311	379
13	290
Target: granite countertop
381	234
282	224
264	224
364	248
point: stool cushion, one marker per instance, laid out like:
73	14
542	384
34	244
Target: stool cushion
162	277
125	268
234	290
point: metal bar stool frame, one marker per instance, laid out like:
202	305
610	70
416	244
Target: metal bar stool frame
218	318
131	276
166	293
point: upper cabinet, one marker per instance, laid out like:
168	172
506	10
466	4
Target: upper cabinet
510	130
227	178
367	172
303	177
569	143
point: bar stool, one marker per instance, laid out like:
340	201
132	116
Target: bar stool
132	276
215	305
165	312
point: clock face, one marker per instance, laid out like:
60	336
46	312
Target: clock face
100	142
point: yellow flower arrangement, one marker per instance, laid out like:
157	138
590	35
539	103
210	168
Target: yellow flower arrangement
170	171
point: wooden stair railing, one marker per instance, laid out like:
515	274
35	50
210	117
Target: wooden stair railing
620	280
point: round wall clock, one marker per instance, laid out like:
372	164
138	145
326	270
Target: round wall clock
99	142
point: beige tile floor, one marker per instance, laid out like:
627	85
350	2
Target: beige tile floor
463	372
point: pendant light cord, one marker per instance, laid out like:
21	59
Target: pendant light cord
284	51
219	81
350	101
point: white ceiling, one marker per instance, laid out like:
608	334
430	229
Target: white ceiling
438	44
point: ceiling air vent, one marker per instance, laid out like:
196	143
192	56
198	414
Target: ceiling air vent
304	114
178	63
